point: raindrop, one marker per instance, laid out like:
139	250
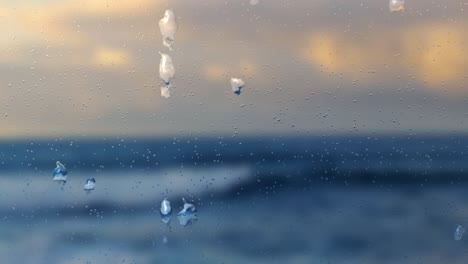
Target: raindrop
165	211
165	207
168	28
60	173
89	185
254	2
237	85
166	73
187	216
396	5
187	209
459	232
164	240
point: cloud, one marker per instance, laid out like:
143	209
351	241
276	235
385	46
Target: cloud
109	57
214	71
340	54
68	30
433	54
439	53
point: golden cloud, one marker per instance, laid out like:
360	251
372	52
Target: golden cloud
439	53
354	59
215	71
108	57
56	26
434	54
106	7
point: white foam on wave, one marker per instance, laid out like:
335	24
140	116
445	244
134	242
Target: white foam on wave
117	187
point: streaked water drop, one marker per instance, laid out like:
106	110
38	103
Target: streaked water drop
236	85
166	73
168	28
396	5
165	211
60	173
459	232
89	185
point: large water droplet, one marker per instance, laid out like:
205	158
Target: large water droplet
165	207
187	216
166	73
459	232
89	185
60	173
165	211
168	28
396	5
236	85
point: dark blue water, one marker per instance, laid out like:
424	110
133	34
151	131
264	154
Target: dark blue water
330	199
372	153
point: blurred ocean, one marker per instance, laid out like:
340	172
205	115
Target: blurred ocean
330	199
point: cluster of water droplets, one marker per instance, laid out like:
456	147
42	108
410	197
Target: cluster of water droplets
60	176
168	29
187	216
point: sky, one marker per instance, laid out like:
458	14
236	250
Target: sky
91	68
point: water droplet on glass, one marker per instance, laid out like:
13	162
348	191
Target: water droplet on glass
166	73
168	28
187	216
89	185
60	173
254	2
165	207
459	232
165	211
164	240
396	5
237	85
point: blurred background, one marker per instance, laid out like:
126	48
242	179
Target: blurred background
348	143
